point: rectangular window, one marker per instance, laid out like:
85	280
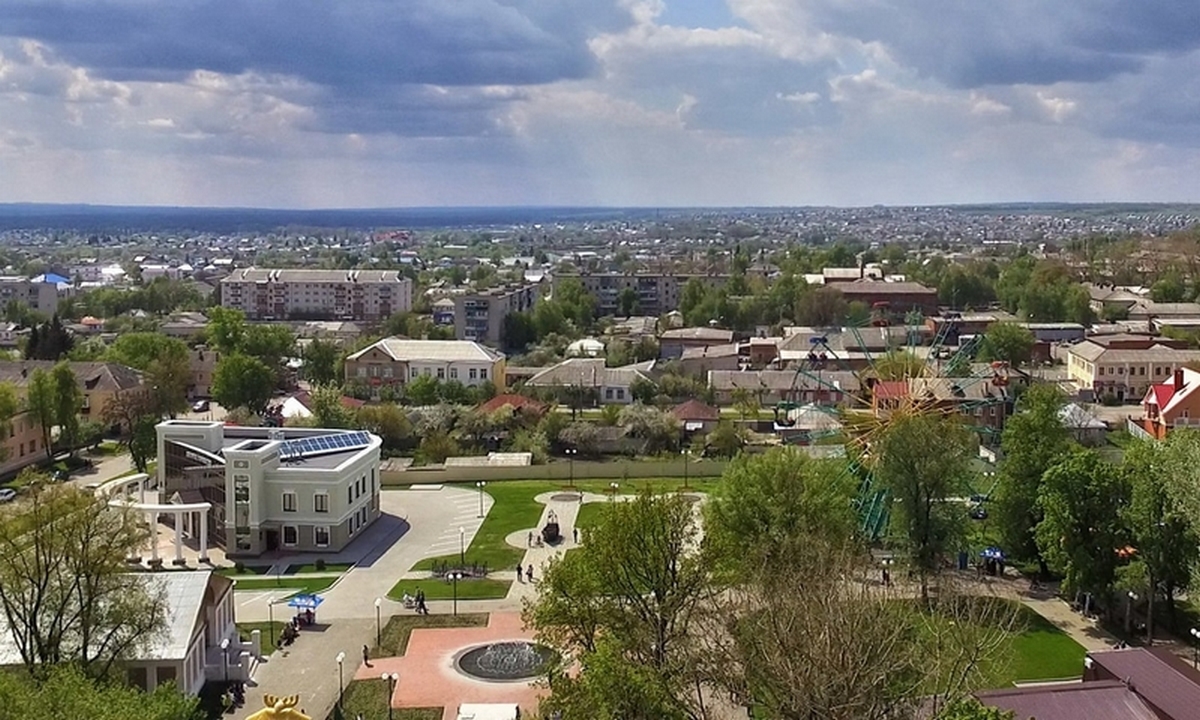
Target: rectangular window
372	481
289	501
441	373
620	393
289	535
483	373
349	494
321	502
453	373
321	536
608	393
387	371
472	373
362	371
414	372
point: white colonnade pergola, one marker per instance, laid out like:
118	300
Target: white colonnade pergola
185	514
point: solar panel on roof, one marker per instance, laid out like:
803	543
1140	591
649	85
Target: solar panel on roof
324	444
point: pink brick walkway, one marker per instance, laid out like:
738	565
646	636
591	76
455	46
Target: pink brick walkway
428	677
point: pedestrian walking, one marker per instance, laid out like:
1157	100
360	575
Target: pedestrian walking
366	656
575	533
421	609
529	539
529	573
520	570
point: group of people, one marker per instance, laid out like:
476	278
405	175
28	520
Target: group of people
291	630
416	602
528	572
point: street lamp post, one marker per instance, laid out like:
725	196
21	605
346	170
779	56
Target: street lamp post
271	620
378	626
462	547
341	659
225	659
684	452
390	679
1129	610
1196	647
481	485
454	578
571	453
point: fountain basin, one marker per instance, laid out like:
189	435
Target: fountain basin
506	661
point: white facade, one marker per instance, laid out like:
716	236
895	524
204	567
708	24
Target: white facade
264	294
268	499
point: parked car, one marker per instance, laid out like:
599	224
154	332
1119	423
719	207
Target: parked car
200	406
7	495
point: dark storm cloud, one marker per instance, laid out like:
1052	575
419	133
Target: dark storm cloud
343	43
968	43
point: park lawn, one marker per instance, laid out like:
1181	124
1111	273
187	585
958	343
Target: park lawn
590	515
514	509
1044	652
270	632
312	568
299	584
438	589
399	627
368	699
247	570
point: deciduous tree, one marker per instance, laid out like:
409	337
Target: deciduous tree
243	381
1009	342
925	460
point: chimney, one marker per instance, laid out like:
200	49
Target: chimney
1178	379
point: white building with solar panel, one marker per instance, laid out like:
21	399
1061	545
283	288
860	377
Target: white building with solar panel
286	489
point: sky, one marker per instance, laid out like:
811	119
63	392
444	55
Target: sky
399	103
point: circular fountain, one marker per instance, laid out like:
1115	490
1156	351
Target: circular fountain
505	661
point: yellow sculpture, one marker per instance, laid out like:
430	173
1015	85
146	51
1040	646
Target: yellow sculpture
278	708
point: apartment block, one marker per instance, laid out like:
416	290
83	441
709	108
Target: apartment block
480	316
265	294
657	294
39	296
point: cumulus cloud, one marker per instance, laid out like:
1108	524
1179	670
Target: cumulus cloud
374	102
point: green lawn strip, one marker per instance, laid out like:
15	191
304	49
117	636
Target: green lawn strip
590	515
284	582
399	627
245	571
269	633
438	589
369	699
1044	652
514	509
312	568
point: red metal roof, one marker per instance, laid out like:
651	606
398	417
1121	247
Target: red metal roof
695	410
1098	700
1166	683
887	389
1163	394
516	402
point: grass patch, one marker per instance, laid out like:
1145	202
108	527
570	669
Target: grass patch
437	589
590	515
283	582
232	571
514	509
312	568
1044	652
269	633
399	627
369	699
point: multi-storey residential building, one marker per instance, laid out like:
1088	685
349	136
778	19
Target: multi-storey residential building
292	489
40	296
656	294
264	294
1125	368
396	361
480	316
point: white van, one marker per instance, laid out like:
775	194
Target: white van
489	711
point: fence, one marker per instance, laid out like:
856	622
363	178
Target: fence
584	470
1136	430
